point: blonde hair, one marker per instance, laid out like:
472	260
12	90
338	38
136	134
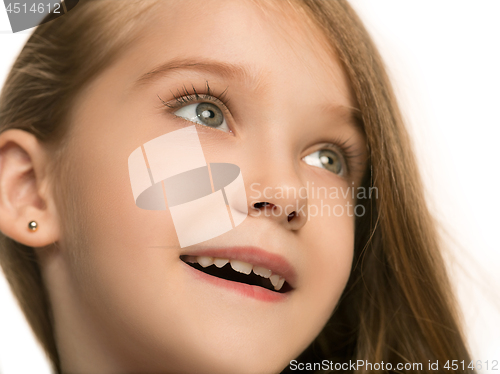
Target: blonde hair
58	60
398	305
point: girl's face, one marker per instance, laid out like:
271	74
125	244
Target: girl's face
129	293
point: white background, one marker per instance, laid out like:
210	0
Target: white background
444	59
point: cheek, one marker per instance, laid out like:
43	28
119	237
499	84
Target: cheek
127	250
333	239
329	253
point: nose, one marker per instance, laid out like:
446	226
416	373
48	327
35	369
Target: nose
281	197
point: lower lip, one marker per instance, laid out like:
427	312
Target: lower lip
254	292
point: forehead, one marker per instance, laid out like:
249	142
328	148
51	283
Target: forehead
274	41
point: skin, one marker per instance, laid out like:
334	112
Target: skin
123	300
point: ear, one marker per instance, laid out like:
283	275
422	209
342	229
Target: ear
25	193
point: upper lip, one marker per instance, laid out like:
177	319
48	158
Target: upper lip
252	255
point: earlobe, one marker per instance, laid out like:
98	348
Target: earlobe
27	210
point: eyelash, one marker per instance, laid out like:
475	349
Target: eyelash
184	96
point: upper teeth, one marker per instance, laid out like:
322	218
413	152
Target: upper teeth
242	267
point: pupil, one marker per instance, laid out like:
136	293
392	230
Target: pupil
208	114
326	160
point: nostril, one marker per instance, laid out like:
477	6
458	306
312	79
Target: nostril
261	205
291	216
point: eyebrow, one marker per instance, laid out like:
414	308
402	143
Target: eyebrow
347	114
222	69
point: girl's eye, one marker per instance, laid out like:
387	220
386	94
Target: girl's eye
326	159
206	114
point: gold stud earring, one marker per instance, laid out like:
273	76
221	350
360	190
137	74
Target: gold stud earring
33	226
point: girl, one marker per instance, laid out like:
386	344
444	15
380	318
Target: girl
330	255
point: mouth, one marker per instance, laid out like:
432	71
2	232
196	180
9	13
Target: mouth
238	271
